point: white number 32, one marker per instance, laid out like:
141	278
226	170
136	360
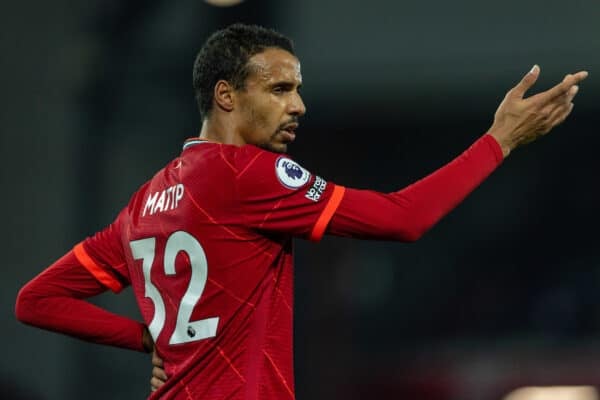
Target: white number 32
185	330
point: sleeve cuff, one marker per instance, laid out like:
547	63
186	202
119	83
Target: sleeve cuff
495	147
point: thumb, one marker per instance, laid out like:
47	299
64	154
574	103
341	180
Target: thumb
528	80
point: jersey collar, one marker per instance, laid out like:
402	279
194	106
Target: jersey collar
193	141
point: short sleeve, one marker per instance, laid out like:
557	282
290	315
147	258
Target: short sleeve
277	194
102	255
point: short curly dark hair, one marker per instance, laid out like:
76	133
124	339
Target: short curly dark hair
225	56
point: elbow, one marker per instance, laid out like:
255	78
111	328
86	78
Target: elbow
25	306
403	233
416	226
411	234
410	237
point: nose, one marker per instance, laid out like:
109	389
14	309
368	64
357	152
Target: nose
297	106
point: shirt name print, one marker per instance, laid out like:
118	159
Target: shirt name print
164	200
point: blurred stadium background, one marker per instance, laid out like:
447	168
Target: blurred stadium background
502	294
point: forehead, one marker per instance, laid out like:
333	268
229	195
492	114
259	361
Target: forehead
273	65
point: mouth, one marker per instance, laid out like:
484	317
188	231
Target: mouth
288	132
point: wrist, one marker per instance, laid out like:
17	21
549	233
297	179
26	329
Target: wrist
504	145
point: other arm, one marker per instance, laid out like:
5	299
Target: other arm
54	300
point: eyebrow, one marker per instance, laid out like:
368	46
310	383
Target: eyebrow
287	84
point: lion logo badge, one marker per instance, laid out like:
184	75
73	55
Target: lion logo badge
290	173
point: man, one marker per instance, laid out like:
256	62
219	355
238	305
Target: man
206	243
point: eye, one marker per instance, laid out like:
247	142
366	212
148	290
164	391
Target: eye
278	90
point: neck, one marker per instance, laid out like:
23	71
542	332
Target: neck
221	130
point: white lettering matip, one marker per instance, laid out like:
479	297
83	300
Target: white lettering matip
164	200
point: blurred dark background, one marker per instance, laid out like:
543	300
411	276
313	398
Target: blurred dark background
502	293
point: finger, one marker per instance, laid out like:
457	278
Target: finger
557	116
561	88
159	373
561	101
571	94
156	360
567	77
528	80
155	384
561	114
568	96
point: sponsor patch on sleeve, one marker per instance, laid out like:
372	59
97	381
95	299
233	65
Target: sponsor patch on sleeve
315	192
290	173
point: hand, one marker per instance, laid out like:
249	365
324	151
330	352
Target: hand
519	121
159	377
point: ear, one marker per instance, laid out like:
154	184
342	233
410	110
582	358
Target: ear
223	95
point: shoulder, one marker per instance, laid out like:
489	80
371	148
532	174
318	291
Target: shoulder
261	166
255	165
245	159
243	155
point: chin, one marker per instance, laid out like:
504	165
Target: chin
275	147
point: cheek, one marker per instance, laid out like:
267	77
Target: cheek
263	116
258	117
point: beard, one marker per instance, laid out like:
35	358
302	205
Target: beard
273	144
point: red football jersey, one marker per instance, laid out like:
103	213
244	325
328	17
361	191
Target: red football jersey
206	245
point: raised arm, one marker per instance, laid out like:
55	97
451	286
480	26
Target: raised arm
407	214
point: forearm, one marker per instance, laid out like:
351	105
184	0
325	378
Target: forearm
80	319
54	300
407	214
